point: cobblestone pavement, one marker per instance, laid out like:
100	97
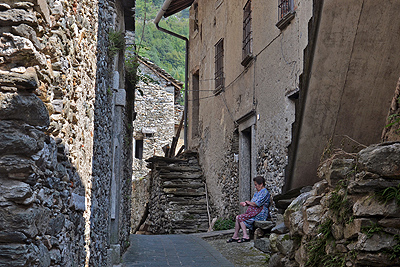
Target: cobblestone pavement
205	250
172	250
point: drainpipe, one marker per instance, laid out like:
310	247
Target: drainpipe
156	21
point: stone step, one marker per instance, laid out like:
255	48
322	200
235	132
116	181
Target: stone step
187	193
171	168
181	175
182	184
184	201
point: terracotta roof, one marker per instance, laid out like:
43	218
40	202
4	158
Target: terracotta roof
176	6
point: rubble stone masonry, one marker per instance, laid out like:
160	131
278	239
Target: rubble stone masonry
56	105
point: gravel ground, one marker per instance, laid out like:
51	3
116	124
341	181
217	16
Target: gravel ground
240	254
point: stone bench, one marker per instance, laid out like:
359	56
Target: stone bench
261	228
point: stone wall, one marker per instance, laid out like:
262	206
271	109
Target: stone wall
391	131
176	198
346	219
157	114
57	97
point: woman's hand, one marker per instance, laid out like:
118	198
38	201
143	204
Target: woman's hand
243	204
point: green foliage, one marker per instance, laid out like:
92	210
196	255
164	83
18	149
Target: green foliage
395	119
116	41
371	230
339	204
395	253
389	194
224	224
316	247
164	50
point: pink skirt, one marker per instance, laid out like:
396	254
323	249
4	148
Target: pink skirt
250	213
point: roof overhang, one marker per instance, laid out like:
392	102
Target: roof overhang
171	7
177	5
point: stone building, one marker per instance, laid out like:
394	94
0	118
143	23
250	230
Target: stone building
66	135
158	115
275	84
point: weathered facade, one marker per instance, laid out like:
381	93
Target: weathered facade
244	71
64	112
276	85
158	115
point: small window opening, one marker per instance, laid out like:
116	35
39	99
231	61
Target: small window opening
139	149
219	66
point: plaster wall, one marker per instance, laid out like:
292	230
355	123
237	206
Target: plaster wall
352	80
258	90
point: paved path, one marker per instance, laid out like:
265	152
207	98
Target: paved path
172	250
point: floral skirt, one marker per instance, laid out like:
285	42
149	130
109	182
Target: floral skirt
250	213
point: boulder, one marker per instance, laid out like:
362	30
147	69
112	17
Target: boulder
382	159
335	170
296	205
26	108
27	80
369	205
15	191
263	244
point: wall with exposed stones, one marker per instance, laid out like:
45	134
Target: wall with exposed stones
344	220
392	130
157	114
57	96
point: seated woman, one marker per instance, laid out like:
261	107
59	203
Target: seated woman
257	211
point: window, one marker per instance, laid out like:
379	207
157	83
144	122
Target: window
139	149
285	13
219	66
247	36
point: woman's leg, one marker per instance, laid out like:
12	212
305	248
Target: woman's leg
237	229
244	229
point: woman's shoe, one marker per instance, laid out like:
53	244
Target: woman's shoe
232	240
243	240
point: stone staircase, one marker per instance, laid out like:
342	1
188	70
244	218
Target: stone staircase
178	203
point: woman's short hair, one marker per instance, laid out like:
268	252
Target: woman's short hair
259	180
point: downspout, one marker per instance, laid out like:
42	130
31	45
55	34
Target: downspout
156	21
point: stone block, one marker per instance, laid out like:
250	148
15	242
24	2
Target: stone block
352	229
56	225
27	108
284	244
120	97
296	223
77	202
337	231
296	205
15	191
336	170
14	254
17	16
12	237
116	80
378	241
392	223
375	259
382	159
280	229
366	186
275	260
264	225
371	206
57	105
263	244
16	218
27	80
